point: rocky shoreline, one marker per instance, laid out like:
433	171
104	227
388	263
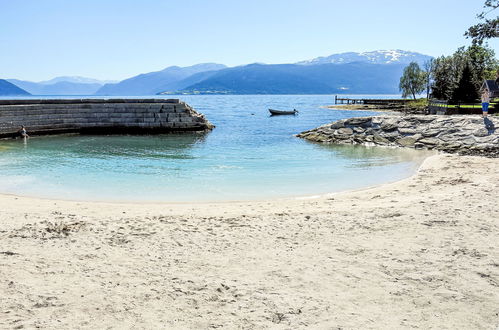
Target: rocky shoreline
470	135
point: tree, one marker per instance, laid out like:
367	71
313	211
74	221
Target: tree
447	71
466	90
428	68
487	29
483	63
444	76
413	80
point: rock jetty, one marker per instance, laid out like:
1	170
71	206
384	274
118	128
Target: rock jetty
454	134
99	116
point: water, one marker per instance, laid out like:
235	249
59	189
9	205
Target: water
248	156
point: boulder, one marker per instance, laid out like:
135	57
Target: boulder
389	125
409	141
343	131
359	121
338	124
448	133
481	132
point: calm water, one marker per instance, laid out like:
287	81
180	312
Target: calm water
249	155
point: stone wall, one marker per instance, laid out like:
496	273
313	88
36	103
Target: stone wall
463	134
99	116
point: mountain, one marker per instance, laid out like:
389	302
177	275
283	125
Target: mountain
356	77
7	88
258	79
158	81
77	80
375	57
58	88
368	72
64	85
175	86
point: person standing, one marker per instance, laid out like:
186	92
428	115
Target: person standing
22	132
485	103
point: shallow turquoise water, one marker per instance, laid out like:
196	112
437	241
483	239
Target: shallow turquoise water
248	156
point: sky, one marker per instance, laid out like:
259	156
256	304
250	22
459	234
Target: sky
117	39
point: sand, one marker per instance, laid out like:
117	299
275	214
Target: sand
419	253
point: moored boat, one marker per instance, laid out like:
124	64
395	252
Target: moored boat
282	112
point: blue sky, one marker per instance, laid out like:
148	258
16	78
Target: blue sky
115	39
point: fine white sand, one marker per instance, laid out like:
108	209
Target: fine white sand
419	253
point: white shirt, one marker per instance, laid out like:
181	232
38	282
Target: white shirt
485	97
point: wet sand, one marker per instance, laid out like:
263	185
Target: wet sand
418	253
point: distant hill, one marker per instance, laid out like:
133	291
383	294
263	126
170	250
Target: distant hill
367	72
7	88
64	85
58	88
77	80
154	82
355	77
396	56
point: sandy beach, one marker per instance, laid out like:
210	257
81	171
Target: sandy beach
419	253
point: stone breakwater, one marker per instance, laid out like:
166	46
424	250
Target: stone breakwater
456	134
99	116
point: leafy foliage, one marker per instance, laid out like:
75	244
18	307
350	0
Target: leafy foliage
428	67
487	29
413	80
447	72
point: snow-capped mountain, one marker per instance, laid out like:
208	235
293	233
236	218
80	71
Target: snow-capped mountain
375	57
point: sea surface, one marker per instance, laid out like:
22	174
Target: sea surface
248	156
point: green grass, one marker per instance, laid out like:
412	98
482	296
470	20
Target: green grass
423	102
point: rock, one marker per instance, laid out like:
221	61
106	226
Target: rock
408	141
430	141
448	133
418	145
389	125
468	141
426	119
359	121
338	124
431	132
481	132
380	140
369	138
390	136
408	130
370	131
344	131
450	146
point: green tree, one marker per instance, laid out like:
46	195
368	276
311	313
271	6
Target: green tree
487	29
413	80
428	67
483	63
447	71
466	90
444	77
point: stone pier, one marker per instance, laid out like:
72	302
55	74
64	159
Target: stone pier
455	134
99	116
